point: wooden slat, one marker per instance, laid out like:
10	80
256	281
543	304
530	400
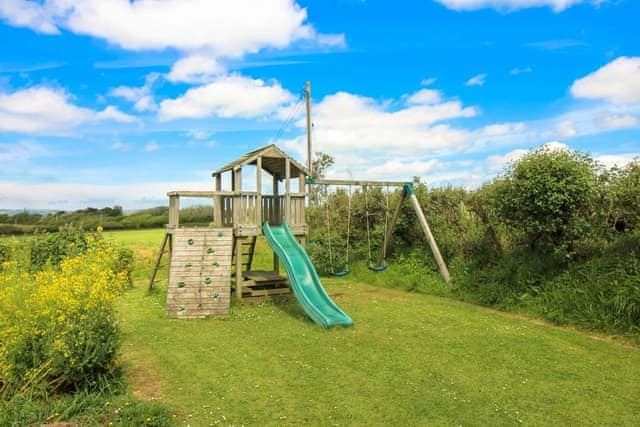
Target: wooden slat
196	295
265	292
359	182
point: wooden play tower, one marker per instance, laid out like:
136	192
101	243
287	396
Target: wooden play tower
206	264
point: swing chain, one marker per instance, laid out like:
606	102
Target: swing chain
326	204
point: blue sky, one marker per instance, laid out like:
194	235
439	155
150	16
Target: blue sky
108	102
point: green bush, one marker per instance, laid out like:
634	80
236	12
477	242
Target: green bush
623	197
49	249
58	325
547	199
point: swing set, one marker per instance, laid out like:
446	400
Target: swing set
389	223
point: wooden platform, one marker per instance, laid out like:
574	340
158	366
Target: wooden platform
200	272
258	285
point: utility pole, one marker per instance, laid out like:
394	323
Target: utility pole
307	96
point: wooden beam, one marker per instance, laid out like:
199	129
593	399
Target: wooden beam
189	193
389	230
237	200
276	219
174	211
218	202
432	242
287	189
276	202
239	277
324	181
259	190
307	93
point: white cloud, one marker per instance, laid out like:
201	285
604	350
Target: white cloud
477	80
195	69
557	44
199	134
425	96
22	13
374	138
407	169
119	146
500	129
566	129
617	160
617	82
42	109
336	40
225	28
20	151
428	81
76	195
616	121
554	146
517	70
113	113
497	163
227	96
141	97
152	146
511	5
39	109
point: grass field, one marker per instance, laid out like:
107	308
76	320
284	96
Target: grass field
410	359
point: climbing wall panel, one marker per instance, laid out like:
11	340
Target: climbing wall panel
200	272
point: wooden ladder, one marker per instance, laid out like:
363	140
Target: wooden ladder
248	250
164	248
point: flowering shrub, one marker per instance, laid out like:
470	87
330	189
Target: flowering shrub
57	326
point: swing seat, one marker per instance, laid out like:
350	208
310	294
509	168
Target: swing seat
340	273
381	267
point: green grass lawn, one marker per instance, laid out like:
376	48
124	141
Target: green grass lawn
410	359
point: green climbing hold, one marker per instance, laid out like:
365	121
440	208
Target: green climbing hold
190	242
188	265
181	284
181	308
215	295
215	264
220	234
207	280
210	250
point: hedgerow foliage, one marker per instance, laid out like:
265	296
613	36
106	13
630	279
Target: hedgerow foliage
547	198
57	323
556	235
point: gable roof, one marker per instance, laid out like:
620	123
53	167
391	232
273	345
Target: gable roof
273	161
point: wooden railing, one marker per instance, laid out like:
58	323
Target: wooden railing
247	210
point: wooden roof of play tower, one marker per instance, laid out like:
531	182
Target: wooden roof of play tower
273	161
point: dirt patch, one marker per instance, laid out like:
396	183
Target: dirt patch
144	381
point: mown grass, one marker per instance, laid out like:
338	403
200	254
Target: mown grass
410	359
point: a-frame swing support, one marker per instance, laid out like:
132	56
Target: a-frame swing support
409	193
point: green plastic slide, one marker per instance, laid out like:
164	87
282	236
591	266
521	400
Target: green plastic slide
304	279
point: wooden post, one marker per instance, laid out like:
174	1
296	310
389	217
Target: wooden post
287	190
237	198
174	211
217	213
276	219
239	277
307	96
432	242
259	190
390	227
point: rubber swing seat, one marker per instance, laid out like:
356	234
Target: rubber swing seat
340	273
381	267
